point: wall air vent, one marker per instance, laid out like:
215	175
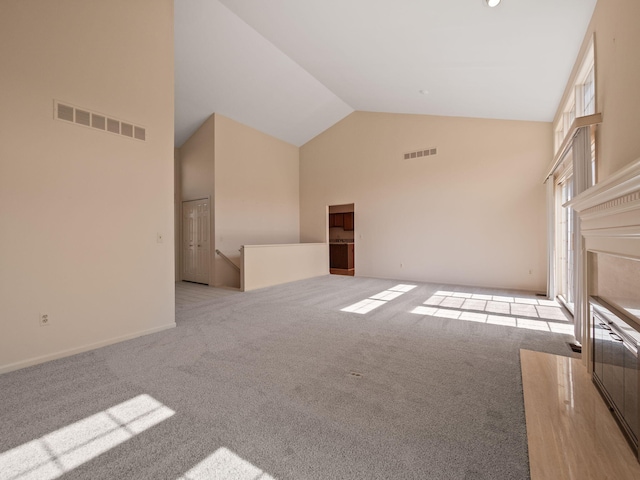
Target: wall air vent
425	152
65	112
98	121
113	126
127	129
139	133
84	117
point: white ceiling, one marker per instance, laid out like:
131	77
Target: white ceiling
293	68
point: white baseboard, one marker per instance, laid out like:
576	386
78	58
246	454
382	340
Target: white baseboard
84	348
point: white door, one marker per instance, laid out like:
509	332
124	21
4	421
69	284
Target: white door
195	241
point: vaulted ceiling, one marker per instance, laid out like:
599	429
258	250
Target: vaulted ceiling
293	68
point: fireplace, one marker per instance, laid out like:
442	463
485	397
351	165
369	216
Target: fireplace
616	369
608	294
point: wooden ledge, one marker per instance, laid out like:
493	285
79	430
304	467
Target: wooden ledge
579	122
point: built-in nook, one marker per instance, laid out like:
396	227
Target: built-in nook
617	281
341	223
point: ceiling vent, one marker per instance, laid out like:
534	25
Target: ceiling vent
426	152
84	117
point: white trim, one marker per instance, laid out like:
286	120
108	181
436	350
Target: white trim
568	306
629	231
84	348
620	205
614	253
620	184
551	239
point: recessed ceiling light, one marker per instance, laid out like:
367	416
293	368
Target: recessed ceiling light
424	92
492	3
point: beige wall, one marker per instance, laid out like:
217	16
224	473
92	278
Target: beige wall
197	177
197	157
474	214
256	193
252	179
267	265
81	208
617	37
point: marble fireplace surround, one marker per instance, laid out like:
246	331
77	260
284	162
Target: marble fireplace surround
609	216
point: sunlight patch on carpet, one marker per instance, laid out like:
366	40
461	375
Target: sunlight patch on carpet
542	315
224	464
379	299
58	452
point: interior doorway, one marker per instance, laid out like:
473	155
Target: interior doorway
196	241
341	226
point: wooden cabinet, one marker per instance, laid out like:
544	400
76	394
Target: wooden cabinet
348	221
343	220
335	255
341	256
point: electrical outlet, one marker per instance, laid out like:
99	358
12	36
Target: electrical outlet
530	272
44	320
159	238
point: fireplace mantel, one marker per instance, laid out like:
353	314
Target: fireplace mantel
609	216
607	205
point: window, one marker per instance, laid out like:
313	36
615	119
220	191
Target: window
581	100
564	193
572	115
589	94
559	138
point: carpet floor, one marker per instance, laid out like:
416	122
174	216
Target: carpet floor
281	383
